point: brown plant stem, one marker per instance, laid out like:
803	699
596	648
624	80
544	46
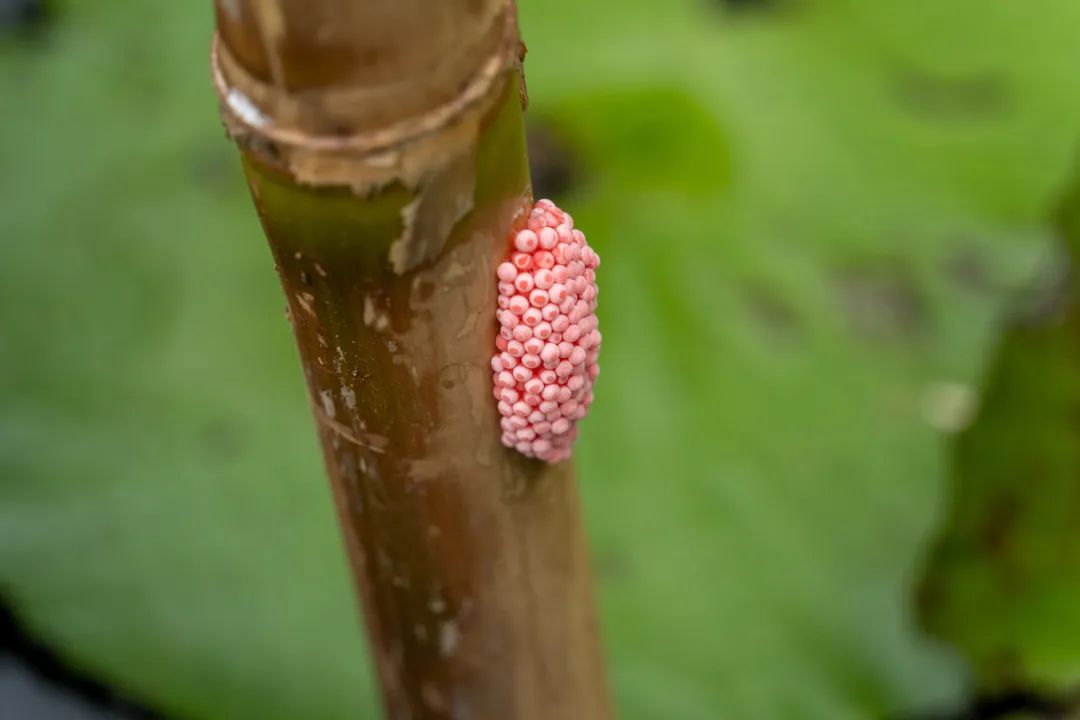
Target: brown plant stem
383	145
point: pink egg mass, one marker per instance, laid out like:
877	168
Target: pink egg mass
546	349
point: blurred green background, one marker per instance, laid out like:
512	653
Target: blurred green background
833	470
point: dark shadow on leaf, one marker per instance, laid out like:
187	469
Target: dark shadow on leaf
747	8
772	314
881	301
25	19
53	671
973	97
556	170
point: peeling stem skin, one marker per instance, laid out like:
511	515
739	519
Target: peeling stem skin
470	560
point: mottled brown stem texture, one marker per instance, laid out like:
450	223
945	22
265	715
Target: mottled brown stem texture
383	145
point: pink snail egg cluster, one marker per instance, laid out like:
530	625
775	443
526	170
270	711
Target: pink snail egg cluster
548	340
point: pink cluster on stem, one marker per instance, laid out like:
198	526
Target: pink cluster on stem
548	340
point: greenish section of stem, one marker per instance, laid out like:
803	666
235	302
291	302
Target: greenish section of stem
469	558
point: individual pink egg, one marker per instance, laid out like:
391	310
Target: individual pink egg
526	241
507	272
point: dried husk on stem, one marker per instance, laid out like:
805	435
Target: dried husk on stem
383	146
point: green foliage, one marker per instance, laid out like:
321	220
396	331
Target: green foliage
810	218
1004	581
